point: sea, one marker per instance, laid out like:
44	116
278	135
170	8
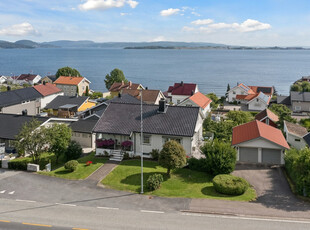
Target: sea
212	70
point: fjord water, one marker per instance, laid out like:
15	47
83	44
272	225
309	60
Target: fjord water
157	69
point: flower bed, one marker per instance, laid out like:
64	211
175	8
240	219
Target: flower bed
106	144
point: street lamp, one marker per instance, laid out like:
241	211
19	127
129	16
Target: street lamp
141	143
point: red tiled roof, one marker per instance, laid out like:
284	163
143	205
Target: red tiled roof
256	129
267	113
201	100
47	89
246	97
62	80
118	86
263	89
249	90
185	89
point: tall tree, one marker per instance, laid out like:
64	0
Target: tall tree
32	139
228	88
115	75
67	71
239	117
60	136
87	91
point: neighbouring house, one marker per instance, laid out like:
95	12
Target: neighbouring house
48	79
49	92
267	117
67	106
26	100
30	79
149	96
119	128
117	87
82	131
3	79
257	142
295	135
297	101
180	91
72	85
284	100
199	100
260	102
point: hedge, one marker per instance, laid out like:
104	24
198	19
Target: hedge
230	185
21	162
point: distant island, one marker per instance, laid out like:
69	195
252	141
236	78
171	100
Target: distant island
28	44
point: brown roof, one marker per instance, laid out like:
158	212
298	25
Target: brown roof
256	129
27	77
201	100
295	129
47	89
63	80
267	113
118	86
149	96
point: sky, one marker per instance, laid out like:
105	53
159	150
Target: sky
231	22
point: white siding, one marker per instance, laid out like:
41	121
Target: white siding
234	92
257	105
49	98
176	99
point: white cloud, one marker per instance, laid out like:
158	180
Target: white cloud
248	25
202	21
22	29
106	4
159	39
169	12
195	13
124	14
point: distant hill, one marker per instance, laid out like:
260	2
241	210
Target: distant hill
23	44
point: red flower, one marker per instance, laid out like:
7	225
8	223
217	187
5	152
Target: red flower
88	163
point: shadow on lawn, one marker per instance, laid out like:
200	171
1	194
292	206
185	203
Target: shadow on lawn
210	191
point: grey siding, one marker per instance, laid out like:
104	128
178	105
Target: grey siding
248	155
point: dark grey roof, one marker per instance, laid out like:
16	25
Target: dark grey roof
125	98
285	100
17	96
98	109
64	100
11	124
300	96
84	125
307	139
124	119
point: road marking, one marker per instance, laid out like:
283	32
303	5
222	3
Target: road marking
29	201
5	221
3	191
248	218
71	205
41	225
149	211
11	193
80	228
108	208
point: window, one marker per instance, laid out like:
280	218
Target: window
165	139
178	101
234	92
298	140
146	139
297	108
189	105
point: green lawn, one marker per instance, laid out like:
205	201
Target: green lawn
182	183
82	171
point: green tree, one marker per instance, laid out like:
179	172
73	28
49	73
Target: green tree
60	136
96	95
215	100
220	157
87	91
74	151
67	71
32	139
172	156
228	88
283	112
115	75
239	117
301	86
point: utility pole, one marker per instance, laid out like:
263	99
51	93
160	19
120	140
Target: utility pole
141	143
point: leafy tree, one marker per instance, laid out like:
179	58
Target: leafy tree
67	71
115	75
74	151
87	91
60	136
32	139
301	86
275	92
172	156
239	117
215	100
284	113
96	95
220	157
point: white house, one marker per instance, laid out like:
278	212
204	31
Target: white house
49	92
257	142
120	124
180	91
3	79
295	135
198	100
260	102
25	79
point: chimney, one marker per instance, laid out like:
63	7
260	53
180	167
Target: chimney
44	82
122	82
119	95
8	88
130	84
24	112
192	93
162	106
182	83
146	88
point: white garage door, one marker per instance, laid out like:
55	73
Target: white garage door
271	156
248	155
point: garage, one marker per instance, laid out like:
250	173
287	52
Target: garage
248	155
271	156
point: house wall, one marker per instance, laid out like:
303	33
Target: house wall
160	96
69	90
46	80
49	98
176	99
257	105
270	122
33	108
35	80
82	87
295	141
86	140
234	92
300	106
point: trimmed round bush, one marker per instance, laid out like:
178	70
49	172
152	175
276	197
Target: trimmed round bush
230	185
154	181
71	165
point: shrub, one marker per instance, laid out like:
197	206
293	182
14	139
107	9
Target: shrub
21	162
74	151
71	165
154	181
155	154
230	185
197	164
126	156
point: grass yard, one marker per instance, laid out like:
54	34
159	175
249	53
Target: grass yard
82	170
182	183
